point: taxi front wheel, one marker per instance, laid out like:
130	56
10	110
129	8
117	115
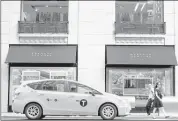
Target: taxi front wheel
108	112
33	111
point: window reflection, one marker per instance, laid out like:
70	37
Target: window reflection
139	17
139	12
44	11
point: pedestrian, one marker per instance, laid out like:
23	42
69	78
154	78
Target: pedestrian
150	99
157	103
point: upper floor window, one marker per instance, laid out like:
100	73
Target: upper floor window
140	16
44	17
44	11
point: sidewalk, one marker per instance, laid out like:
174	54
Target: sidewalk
131	115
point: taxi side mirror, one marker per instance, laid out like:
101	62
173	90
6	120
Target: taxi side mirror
92	93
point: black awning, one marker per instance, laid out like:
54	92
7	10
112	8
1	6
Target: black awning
140	55
62	54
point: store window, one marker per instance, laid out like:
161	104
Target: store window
19	74
139	17
44	11
135	81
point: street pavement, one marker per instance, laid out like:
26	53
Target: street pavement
130	117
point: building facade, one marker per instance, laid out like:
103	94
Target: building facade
91	34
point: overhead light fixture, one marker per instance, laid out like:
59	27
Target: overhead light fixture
143	6
36	9
46	5
60	7
136	7
150	2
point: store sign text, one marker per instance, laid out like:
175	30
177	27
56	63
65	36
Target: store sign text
140	55
41	54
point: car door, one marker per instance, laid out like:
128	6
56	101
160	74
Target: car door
52	96
59	107
80	101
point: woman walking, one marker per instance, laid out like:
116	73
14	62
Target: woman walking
157	103
150	99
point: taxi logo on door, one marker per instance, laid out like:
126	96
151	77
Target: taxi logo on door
83	102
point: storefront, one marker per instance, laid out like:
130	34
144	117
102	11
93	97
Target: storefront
36	62
129	70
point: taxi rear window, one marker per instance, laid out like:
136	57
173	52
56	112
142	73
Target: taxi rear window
35	85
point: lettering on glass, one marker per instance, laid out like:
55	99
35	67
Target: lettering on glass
58	74
41	54
30	75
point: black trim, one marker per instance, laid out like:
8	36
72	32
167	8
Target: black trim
174	82
9	108
43	45
142	45
42	65
105	67
77	63
139	66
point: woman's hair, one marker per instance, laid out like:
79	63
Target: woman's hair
157	83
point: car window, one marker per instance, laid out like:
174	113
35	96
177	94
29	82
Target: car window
82	89
58	86
35	85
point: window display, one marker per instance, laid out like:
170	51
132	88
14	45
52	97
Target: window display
19	74
135	81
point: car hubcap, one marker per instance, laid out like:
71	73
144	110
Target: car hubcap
33	111
108	111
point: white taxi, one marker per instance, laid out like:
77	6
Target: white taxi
37	99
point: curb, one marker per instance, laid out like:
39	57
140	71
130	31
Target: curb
131	115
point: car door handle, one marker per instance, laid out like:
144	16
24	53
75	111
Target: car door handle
71	96
40	94
77	100
49	99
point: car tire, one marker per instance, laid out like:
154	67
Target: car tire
43	116
33	111
108	111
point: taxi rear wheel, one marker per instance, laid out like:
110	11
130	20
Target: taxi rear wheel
43	116
33	111
108	112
